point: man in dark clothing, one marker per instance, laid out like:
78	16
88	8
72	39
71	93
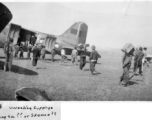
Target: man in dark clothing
53	54
135	59
82	58
93	60
139	58
33	40
36	55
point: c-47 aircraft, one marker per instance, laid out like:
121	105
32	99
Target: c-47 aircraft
72	37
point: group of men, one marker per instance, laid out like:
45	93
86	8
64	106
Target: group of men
93	58
19	51
39	52
16	52
139	61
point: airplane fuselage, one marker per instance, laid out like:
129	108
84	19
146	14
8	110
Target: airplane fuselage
71	38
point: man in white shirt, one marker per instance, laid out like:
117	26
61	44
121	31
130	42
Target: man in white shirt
62	55
74	56
38	38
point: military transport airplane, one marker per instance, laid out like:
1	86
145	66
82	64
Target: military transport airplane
72	37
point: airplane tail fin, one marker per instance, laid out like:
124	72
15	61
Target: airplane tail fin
76	34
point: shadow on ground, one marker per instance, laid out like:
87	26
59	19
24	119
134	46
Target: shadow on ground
57	60
132	83
19	70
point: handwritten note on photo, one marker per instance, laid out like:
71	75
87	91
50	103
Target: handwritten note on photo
30	111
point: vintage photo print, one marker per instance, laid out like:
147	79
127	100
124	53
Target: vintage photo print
76	51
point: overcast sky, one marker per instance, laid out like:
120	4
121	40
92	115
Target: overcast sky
110	24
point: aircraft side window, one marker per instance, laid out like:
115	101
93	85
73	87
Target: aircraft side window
73	31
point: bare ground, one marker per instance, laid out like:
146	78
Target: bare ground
65	82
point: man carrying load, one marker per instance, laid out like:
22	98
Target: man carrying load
128	50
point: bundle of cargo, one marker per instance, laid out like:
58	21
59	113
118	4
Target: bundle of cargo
127	48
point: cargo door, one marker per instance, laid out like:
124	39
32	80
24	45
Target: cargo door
50	43
14	32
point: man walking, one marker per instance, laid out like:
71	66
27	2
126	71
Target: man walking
74	56
36	55
139	61
82	58
63	55
93	60
8	51
53	54
135	59
126	60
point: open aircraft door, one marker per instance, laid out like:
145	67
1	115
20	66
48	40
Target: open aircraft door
14	32
50	43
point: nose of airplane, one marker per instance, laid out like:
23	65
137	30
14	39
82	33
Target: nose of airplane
5	16
31	94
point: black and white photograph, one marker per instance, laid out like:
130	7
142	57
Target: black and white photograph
76	51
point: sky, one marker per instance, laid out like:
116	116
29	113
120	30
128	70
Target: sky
111	24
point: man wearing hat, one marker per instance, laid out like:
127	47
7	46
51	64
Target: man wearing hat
36	54
82	57
93	60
